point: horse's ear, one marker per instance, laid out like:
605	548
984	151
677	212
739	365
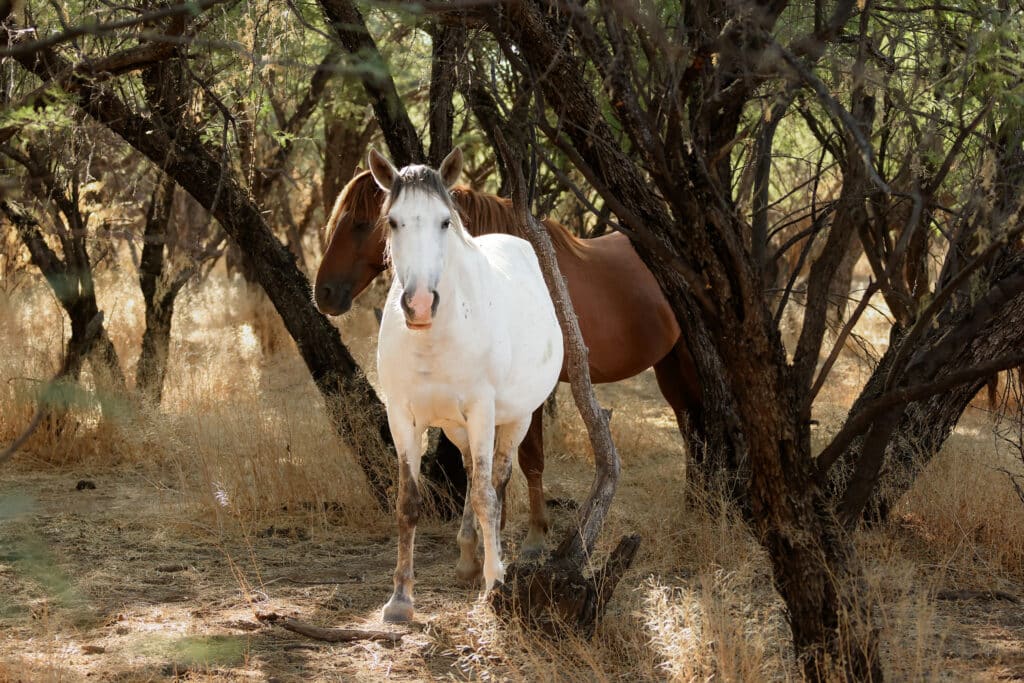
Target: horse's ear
451	167
382	169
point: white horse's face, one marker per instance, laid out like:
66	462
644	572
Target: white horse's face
420	231
421	215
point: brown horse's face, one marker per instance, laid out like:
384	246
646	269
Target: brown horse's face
355	250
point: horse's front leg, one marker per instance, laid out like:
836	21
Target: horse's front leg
480	427
408	442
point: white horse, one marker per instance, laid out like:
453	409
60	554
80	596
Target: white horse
469	343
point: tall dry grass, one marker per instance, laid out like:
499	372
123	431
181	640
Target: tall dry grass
241	444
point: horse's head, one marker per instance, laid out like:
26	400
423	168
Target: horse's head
422	221
355	246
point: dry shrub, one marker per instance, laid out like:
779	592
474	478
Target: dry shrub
966	511
243	432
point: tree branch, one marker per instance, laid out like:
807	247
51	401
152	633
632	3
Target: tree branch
399	133
857	424
22	48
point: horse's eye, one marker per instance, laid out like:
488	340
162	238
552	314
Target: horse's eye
446	224
393	223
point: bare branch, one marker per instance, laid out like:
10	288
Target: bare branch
399	132
858	423
577	547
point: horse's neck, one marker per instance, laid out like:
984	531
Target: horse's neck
489	213
463	269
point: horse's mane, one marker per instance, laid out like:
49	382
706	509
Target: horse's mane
360	197
484	213
481	213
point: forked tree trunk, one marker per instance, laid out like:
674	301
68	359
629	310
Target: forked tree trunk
557	592
159	303
925	425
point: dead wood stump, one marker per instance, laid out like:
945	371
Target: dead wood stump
554	596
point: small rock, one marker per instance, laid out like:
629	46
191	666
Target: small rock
93	649
85	485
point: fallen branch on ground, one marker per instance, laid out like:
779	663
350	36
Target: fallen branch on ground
330	635
976	595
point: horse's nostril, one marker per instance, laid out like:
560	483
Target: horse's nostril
325	292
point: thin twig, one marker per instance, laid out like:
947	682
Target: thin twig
841	342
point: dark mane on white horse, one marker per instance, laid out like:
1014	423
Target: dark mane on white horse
421	178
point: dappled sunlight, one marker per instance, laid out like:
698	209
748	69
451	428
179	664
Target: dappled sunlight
699	633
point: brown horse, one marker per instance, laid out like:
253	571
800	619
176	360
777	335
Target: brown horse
625	319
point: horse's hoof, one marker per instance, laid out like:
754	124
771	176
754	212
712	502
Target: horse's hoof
398	611
469	572
491	585
533	545
531	553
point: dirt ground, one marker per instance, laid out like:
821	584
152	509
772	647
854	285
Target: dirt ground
106	574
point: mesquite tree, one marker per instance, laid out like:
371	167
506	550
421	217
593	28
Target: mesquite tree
663	141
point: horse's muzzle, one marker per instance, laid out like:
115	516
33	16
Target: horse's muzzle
333	299
420	307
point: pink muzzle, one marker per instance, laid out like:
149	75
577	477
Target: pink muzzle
419	308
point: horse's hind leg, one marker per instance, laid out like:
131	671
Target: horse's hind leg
531	462
507	440
677	378
407	437
468	568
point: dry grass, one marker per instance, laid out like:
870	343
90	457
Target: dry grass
236	497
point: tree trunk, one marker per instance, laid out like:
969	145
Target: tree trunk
73	289
815	568
399	132
156	343
156	339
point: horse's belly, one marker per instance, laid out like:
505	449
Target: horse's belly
532	376
438	405
626	321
